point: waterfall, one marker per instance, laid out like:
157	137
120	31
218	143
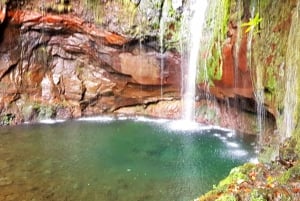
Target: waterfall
292	68
192	32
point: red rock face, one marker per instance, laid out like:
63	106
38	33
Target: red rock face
236	77
77	69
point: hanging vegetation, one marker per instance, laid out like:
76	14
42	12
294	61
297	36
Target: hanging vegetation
215	33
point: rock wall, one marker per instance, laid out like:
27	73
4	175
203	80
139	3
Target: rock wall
59	65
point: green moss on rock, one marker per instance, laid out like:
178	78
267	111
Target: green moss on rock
217	20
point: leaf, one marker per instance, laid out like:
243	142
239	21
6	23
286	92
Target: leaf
253	23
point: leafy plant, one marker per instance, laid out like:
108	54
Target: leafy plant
252	24
256	196
226	198
6	119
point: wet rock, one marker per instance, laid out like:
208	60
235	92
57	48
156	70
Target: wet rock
228	76
4	181
63	113
3	164
2	11
287	153
143	68
7	61
62	23
73	89
46	86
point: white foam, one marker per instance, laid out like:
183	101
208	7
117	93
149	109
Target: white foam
232	144
51	121
184	125
217	135
239	153
97	118
147	119
230	134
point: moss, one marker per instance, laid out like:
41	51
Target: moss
6	119
172	26
297	138
210	68
96	8
33	111
60	6
44	111
131	9
257	195
267	154
263	4
237	175
226	197
271	83
292	173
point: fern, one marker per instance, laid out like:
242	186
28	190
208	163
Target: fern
253	23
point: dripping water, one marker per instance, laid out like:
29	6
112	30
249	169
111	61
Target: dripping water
259	88
292	66
162	27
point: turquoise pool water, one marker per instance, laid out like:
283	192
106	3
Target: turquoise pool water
116	160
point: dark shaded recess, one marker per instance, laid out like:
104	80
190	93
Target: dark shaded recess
3	27
151	42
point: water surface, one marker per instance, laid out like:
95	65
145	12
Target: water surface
115	160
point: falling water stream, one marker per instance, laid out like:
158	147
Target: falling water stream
292	87
259	88
194	23
162	26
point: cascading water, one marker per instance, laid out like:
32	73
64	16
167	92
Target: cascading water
191	30
292	66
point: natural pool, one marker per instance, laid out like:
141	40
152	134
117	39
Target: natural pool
106	159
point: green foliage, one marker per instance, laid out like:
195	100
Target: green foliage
60	6
253	24
96	8
44	111
237	175
217	24
37	110
213	70
256	196
171	24
293	172
226	197
297	138
271	81
268	154
6	119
